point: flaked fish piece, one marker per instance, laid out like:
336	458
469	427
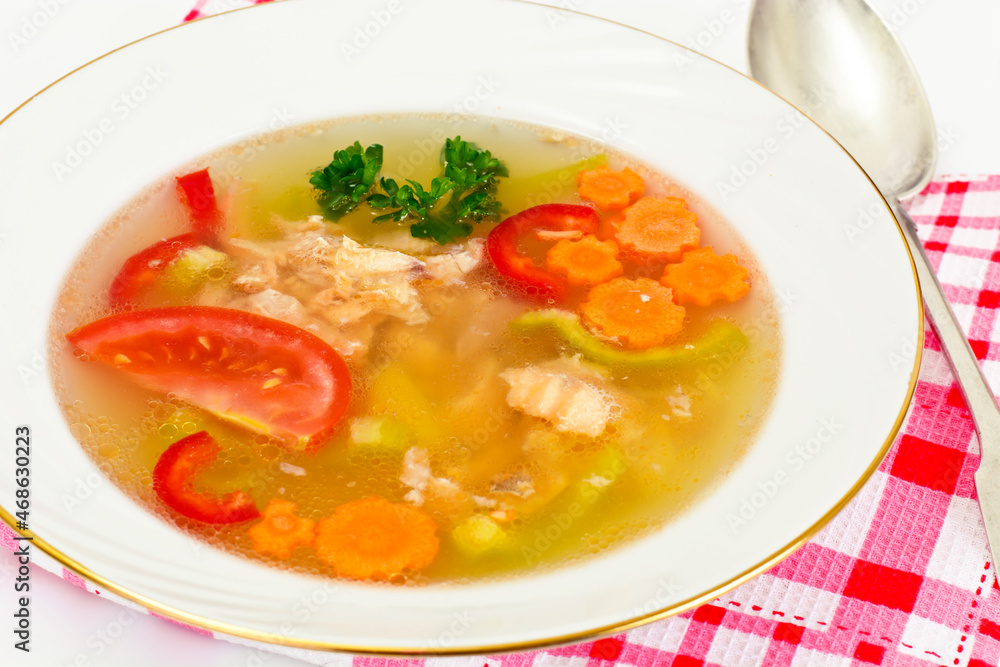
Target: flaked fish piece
519	485
339	311
403	241
254	252
452	266
272	303
256	277
351	342
571	403
396	298
358	280
680	403
344	255
423	484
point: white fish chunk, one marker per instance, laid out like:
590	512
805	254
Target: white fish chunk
680	403
272	303
403	241
452	266
423	484
571	403
396	298
256	277
358	280
342	255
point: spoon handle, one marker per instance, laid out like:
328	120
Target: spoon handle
971	381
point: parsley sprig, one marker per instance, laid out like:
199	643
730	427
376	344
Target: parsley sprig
344	182
463	194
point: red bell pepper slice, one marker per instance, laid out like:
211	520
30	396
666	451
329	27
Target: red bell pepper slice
503	241
196	190
173	478
145	269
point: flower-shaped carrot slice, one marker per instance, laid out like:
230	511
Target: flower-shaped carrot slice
610	190
373	538
703	278
280	532
588	261
638	313
658	228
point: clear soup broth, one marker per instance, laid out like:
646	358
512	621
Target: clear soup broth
489	420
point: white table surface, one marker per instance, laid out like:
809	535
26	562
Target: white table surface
953	45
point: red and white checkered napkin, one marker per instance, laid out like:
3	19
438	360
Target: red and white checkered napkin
901	577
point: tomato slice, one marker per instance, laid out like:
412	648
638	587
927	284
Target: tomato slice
503	241
196	190
143	270
262	373
173	478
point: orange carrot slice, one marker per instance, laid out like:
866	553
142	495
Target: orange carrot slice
280	532
610	190
373	538
658	228
639	313
703	278
588	261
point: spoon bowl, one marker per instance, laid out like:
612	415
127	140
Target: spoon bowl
841	64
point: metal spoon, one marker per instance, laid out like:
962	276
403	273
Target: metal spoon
838	60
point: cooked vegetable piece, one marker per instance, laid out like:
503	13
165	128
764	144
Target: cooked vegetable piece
198	193
280	532
144	271
703	278
348	179
259	372
464	193
478	535
372	538
382	434
553	184
393	393
173	482
588	261
720	338
503	245
195	267
661	229
610	190
638	313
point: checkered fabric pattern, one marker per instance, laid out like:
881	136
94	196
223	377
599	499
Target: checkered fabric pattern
902	577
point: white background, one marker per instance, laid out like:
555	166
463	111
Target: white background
952	43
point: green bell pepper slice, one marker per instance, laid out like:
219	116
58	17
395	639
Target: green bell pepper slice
721	338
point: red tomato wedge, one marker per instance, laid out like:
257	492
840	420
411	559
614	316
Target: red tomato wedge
143	270
262	373
503	241
196	190
173	481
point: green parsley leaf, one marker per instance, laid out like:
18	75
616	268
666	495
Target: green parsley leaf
345	182
463	194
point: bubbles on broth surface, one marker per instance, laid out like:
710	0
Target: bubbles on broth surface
435	386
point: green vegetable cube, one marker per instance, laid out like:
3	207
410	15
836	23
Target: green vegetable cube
378	432
478	535
195	267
